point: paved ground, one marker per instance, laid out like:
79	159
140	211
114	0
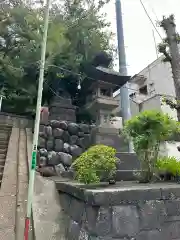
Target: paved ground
13	192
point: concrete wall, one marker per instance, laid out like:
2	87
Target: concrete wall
159	78
153	103
126	212
15	120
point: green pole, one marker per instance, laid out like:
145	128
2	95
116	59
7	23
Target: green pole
37	122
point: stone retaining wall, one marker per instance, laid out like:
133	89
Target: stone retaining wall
60	143
15	120
128	211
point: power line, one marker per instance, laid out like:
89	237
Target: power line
150	19
153	11
80	75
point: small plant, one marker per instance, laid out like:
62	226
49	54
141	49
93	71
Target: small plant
91	166
148	130
168	168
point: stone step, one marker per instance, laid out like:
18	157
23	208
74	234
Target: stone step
1	175
128	161
4	139
5	130
126	175
4	142
113	140
2	161
2	156
1	168
3	146
3	150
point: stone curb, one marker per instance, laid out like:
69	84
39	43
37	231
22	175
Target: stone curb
28	157
121	193
47	214
8	189
22	186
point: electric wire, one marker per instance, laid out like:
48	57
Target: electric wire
150	19
80	75
153	11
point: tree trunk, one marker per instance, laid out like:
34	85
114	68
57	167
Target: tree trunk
169	26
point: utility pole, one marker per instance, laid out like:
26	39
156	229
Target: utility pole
124	92
37	122
174	58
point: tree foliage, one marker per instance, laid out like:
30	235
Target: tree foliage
148	130
77	31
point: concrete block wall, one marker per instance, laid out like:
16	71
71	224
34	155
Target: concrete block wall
136	212
15	120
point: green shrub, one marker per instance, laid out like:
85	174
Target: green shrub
94	163
169	165
148	130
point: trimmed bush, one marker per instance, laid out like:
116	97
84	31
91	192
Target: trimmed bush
96	162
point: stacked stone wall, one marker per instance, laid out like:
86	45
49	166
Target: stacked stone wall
60	143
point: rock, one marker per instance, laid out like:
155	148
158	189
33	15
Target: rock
72	168
42	134
75	151
43	152
65	158
54	124
84	128
68	174
73	139
38	158
42	161
50	144
178	148
80	142
84	142
58	147
47	171
65	136
66	148
53	158
48	131
80	134
41	142
73	128
125	221
59	169
87	140
41	128
57	132
63	125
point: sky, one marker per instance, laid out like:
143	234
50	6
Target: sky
138	30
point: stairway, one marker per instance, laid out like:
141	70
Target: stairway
111	137
5	132
129	164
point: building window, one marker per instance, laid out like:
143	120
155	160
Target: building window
105	92
143	90
106	118
132	95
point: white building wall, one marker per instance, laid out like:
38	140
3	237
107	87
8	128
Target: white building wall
159	78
